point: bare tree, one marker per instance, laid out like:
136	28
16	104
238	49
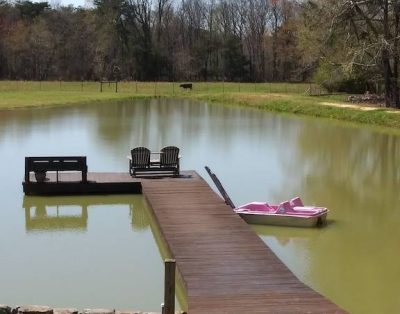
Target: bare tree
276	13
138	15
146	39
370	32
258	11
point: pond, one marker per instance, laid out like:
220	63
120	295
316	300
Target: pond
101	251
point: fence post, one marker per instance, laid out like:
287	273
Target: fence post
169	287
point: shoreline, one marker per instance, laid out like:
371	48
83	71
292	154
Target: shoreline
330	107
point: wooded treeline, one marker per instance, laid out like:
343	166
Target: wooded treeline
346	45
236	40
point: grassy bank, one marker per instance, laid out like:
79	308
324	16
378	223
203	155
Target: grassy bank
323	107
277	97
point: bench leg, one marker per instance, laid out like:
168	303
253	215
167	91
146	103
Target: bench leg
130	168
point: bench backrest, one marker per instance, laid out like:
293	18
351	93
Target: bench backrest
64	163
140	157
169	156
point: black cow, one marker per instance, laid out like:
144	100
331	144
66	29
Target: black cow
186	86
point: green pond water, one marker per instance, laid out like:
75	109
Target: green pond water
104	251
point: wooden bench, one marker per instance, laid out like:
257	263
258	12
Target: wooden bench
43	164
167	162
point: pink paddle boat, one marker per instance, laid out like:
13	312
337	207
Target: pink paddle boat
288	213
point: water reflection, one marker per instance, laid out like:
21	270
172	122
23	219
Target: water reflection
100	243
180	290
139	212
364	165
71	213
257	155
53	217
354	173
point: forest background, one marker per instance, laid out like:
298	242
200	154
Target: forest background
349	46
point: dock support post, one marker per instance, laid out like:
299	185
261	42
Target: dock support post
27	170
169	287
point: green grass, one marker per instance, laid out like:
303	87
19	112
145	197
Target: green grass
27	93
311	106
50	98
152	87
277	97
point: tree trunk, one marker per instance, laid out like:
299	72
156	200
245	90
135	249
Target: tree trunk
396	97
387	77
386	57
274	47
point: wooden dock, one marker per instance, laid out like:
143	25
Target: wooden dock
70	183
224	265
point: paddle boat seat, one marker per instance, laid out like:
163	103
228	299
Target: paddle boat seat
296	202
288	208
257	207
284	208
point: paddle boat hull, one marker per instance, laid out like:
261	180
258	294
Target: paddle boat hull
291	214
284	220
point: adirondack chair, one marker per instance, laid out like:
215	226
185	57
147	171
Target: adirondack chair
169	159
140	160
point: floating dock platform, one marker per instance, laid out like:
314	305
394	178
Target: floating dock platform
70	183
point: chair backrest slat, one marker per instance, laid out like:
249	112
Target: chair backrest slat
140	157
169	156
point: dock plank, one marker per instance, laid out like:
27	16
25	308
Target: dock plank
70	183
225	266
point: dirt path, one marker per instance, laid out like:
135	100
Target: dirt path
361	106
